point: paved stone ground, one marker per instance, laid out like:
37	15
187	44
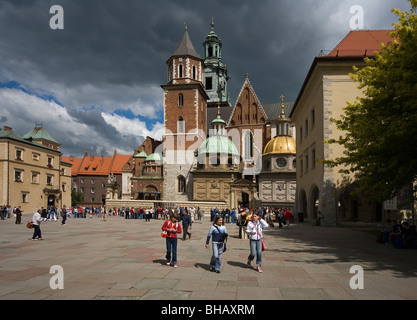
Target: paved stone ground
125	259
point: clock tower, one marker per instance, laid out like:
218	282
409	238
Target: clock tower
185	113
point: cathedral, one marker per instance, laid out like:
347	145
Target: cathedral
212	151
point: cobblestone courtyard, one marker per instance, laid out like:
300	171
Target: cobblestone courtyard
125	259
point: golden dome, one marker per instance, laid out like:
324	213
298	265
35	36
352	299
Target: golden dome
280	144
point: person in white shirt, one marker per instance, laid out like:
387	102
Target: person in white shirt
254	230
37	219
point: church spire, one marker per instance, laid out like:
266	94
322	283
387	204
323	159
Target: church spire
186	47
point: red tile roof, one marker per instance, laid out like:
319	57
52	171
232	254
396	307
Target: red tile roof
118	163
361	43
76	162
97	165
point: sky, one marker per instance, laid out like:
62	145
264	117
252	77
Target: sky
95	85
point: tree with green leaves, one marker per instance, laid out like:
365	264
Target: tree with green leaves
380	128
76	197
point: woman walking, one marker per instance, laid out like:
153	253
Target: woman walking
172	228
218	232
255	233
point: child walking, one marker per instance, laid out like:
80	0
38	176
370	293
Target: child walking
172	227
255	233
218	232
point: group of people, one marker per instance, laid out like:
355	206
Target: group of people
283	216
6	212
218	235
399	235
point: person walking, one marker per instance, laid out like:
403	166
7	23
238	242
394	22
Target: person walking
288	217
18	213
186	223
172	228
218	233
64	215
36	220
255	233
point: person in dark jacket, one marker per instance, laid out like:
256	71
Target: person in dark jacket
186	223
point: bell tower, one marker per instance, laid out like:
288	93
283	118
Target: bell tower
185	113
215	70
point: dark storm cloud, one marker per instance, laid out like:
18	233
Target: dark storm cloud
127	42
112	54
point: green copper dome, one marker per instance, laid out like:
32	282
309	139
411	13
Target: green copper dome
153	157
218	144
141	155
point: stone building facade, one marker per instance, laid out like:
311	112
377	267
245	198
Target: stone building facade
325	92
32	174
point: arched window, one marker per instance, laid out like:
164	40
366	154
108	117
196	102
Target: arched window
180	125
181	184
180	100
247	145
194	72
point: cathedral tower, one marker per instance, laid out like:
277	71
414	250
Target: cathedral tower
215	71
185	113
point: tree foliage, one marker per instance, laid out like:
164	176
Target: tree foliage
380	128
76	197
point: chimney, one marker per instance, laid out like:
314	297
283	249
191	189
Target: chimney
85	153
72	158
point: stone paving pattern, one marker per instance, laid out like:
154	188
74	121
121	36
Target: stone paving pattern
125	259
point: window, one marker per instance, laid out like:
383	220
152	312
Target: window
180	71
181	184
248	145
209	83
306	127
93	181
313	118
180	125
214	160
18	175
19	154
306	162
25	197
180	100
82	180
35	156
281	162
194	72
92	190
49	180
50	162
64	187
313	158
35	177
